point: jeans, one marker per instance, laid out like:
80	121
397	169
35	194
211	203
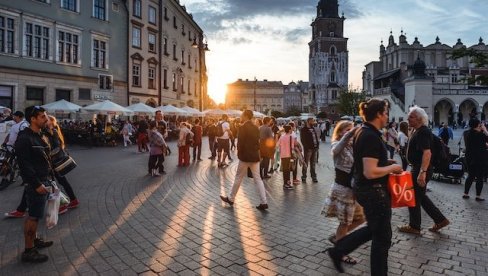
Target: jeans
258	182
310	156
197	150
421	199
211	145
376	204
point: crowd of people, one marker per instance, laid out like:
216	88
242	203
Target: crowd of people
363	158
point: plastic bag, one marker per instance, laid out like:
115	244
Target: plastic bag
401	190
63	199
53	208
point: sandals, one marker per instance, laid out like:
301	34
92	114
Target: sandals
349	260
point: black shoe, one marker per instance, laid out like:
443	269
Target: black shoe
227	200
304	180
266	177
336	259
199	159
40	243
479	199
315	180
262	207
33	256
271	171
162	172
211	158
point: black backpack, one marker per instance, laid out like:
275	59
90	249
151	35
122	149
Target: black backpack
441	155
220	130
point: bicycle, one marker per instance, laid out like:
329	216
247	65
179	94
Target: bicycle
9	169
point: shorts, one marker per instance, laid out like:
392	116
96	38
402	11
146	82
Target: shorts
36	203
223	145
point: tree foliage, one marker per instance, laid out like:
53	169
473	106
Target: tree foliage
322	115
479	59
349	101
277	114
293	111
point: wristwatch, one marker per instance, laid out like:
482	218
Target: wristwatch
423	171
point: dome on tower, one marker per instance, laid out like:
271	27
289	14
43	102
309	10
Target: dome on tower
419	68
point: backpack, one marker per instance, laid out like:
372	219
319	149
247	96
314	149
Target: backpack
220	130
440	154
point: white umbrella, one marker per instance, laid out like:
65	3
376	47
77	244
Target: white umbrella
142	109
107	107
214	112
234	113
172	110
62	106
258	114
192	111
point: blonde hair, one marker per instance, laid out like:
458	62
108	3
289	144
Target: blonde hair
58	129
339	128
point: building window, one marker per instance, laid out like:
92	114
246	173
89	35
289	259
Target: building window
115	7
99	55
7	31
136	75
174	22
63	94
333	50
166	14
152	78
71	5
6	96
37	41
136	37
334	94
183	57
165	46
165	78
68	50
174	81
84	94
152	15
195	89
100	9
34	96
332	76
136	9
189	88
183	30
196	67
174	52
105	82
152	42
182	82
189	61
454	78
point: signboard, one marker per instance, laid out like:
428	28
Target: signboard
101	97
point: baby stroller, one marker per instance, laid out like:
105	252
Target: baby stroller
454	171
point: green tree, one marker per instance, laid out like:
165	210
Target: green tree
349	101
322	115
276	114
479	59
293	111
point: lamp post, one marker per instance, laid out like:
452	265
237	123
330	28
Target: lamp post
202	47
255	83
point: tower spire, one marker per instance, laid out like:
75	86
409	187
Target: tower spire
328	9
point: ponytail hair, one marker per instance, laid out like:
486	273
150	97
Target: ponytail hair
370	109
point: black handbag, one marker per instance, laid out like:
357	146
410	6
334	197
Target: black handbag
62	162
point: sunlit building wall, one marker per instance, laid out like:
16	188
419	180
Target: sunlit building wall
263	96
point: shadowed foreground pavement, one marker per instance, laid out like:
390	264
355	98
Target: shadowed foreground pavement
129	223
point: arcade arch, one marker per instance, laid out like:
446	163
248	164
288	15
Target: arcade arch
467	109
444	112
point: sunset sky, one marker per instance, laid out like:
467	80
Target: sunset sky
268	39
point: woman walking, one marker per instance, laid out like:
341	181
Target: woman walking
184	141
341	202
288	163
475	139
391	138
157	147
402	141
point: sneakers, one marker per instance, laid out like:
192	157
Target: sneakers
15	214
40	243
262	207
227	200
439	225
33	256
288	187
409	229
63	209
73	204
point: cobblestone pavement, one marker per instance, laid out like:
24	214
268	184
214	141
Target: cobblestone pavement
130	223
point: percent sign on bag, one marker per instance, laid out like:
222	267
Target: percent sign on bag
401	190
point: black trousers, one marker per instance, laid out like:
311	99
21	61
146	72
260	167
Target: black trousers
197	150
376	205
211	145
422	200
264	166
475	172
156	162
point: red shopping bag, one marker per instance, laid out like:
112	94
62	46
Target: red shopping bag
401	190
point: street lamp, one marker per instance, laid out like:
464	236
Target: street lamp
202	47
255	83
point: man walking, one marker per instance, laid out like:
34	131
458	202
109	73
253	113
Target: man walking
248	154
162	127
419	156
212	133
309	136
32	154
197	140
20	124
223	135
445	132
266	146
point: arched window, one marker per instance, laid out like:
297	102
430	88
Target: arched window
333	76
332	50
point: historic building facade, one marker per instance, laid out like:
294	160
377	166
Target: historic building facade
328	57
72	50
295	96
452	99
263	96
183	47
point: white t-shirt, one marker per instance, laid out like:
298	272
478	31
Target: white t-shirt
402	139
226	129
14	132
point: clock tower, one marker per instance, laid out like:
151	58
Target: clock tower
328	57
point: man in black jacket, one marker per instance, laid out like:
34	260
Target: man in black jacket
248	154
309	136
32	154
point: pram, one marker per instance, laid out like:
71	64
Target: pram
454	172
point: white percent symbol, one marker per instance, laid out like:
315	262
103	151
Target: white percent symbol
402	192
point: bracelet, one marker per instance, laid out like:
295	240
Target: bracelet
422	171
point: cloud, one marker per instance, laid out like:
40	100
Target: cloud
241	40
